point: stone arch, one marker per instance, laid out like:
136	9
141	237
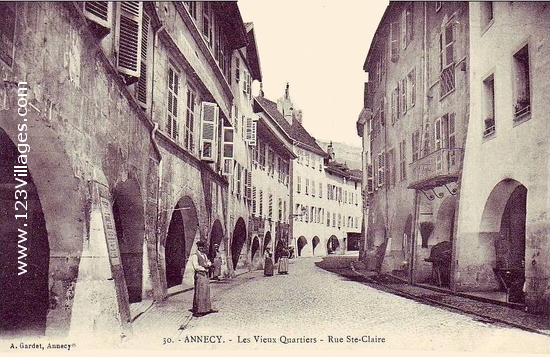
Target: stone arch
65	214
237	243
128	214
216	237
267	241
445	220
504	221
315	243
255	254
332	244
302	242
179	240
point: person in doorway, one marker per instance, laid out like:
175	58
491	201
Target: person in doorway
283	261
216	263
201	298
268	262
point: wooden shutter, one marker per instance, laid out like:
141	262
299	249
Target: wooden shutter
251	128
142	83
248	182
254	200
227	154
209	127
99	13
237	70
128	39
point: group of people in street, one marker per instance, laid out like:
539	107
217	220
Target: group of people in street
207	269
284	255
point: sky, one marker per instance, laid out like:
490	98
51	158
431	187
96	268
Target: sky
319	48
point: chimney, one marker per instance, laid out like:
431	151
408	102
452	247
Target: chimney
285	107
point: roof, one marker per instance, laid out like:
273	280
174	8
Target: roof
374	44
252	52
296	131
341	169
233	23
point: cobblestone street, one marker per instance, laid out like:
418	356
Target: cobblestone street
316	309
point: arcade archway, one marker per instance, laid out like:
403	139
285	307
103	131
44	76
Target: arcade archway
302	242
24	248
332	244
216	238
179	241
130	229
237	243
314	243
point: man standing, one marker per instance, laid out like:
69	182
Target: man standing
201	297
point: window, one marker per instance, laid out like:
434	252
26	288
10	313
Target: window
191	8
370	179
189	140
320	190
280	209
394	41
298	184
486	13
261	155
307	186
521	85
207	22
406	27
328	219
380	169
390	167
403	96
270	207
411	81
128	38
334	219
227	154
237	69
313	188
251	129
395	105
415	145
172	122
382	111
254	204
98	14
446	59
238	180
489	105
445	139
261	204
402	161
209	131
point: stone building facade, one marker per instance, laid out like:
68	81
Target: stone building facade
454	146
503	226
112	122
415	98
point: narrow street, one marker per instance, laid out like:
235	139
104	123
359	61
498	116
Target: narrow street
315	309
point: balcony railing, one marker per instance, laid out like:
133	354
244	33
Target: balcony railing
436	169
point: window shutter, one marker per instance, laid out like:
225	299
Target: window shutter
248	184
254	200
237	70
142	83
394	41
128	39
99	14
251	127
209	126
227	155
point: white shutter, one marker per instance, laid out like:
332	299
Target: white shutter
128	39
251	127
209	127
227	154
99	12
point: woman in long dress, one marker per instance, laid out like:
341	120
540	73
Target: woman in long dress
283	261
268	263
201	297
